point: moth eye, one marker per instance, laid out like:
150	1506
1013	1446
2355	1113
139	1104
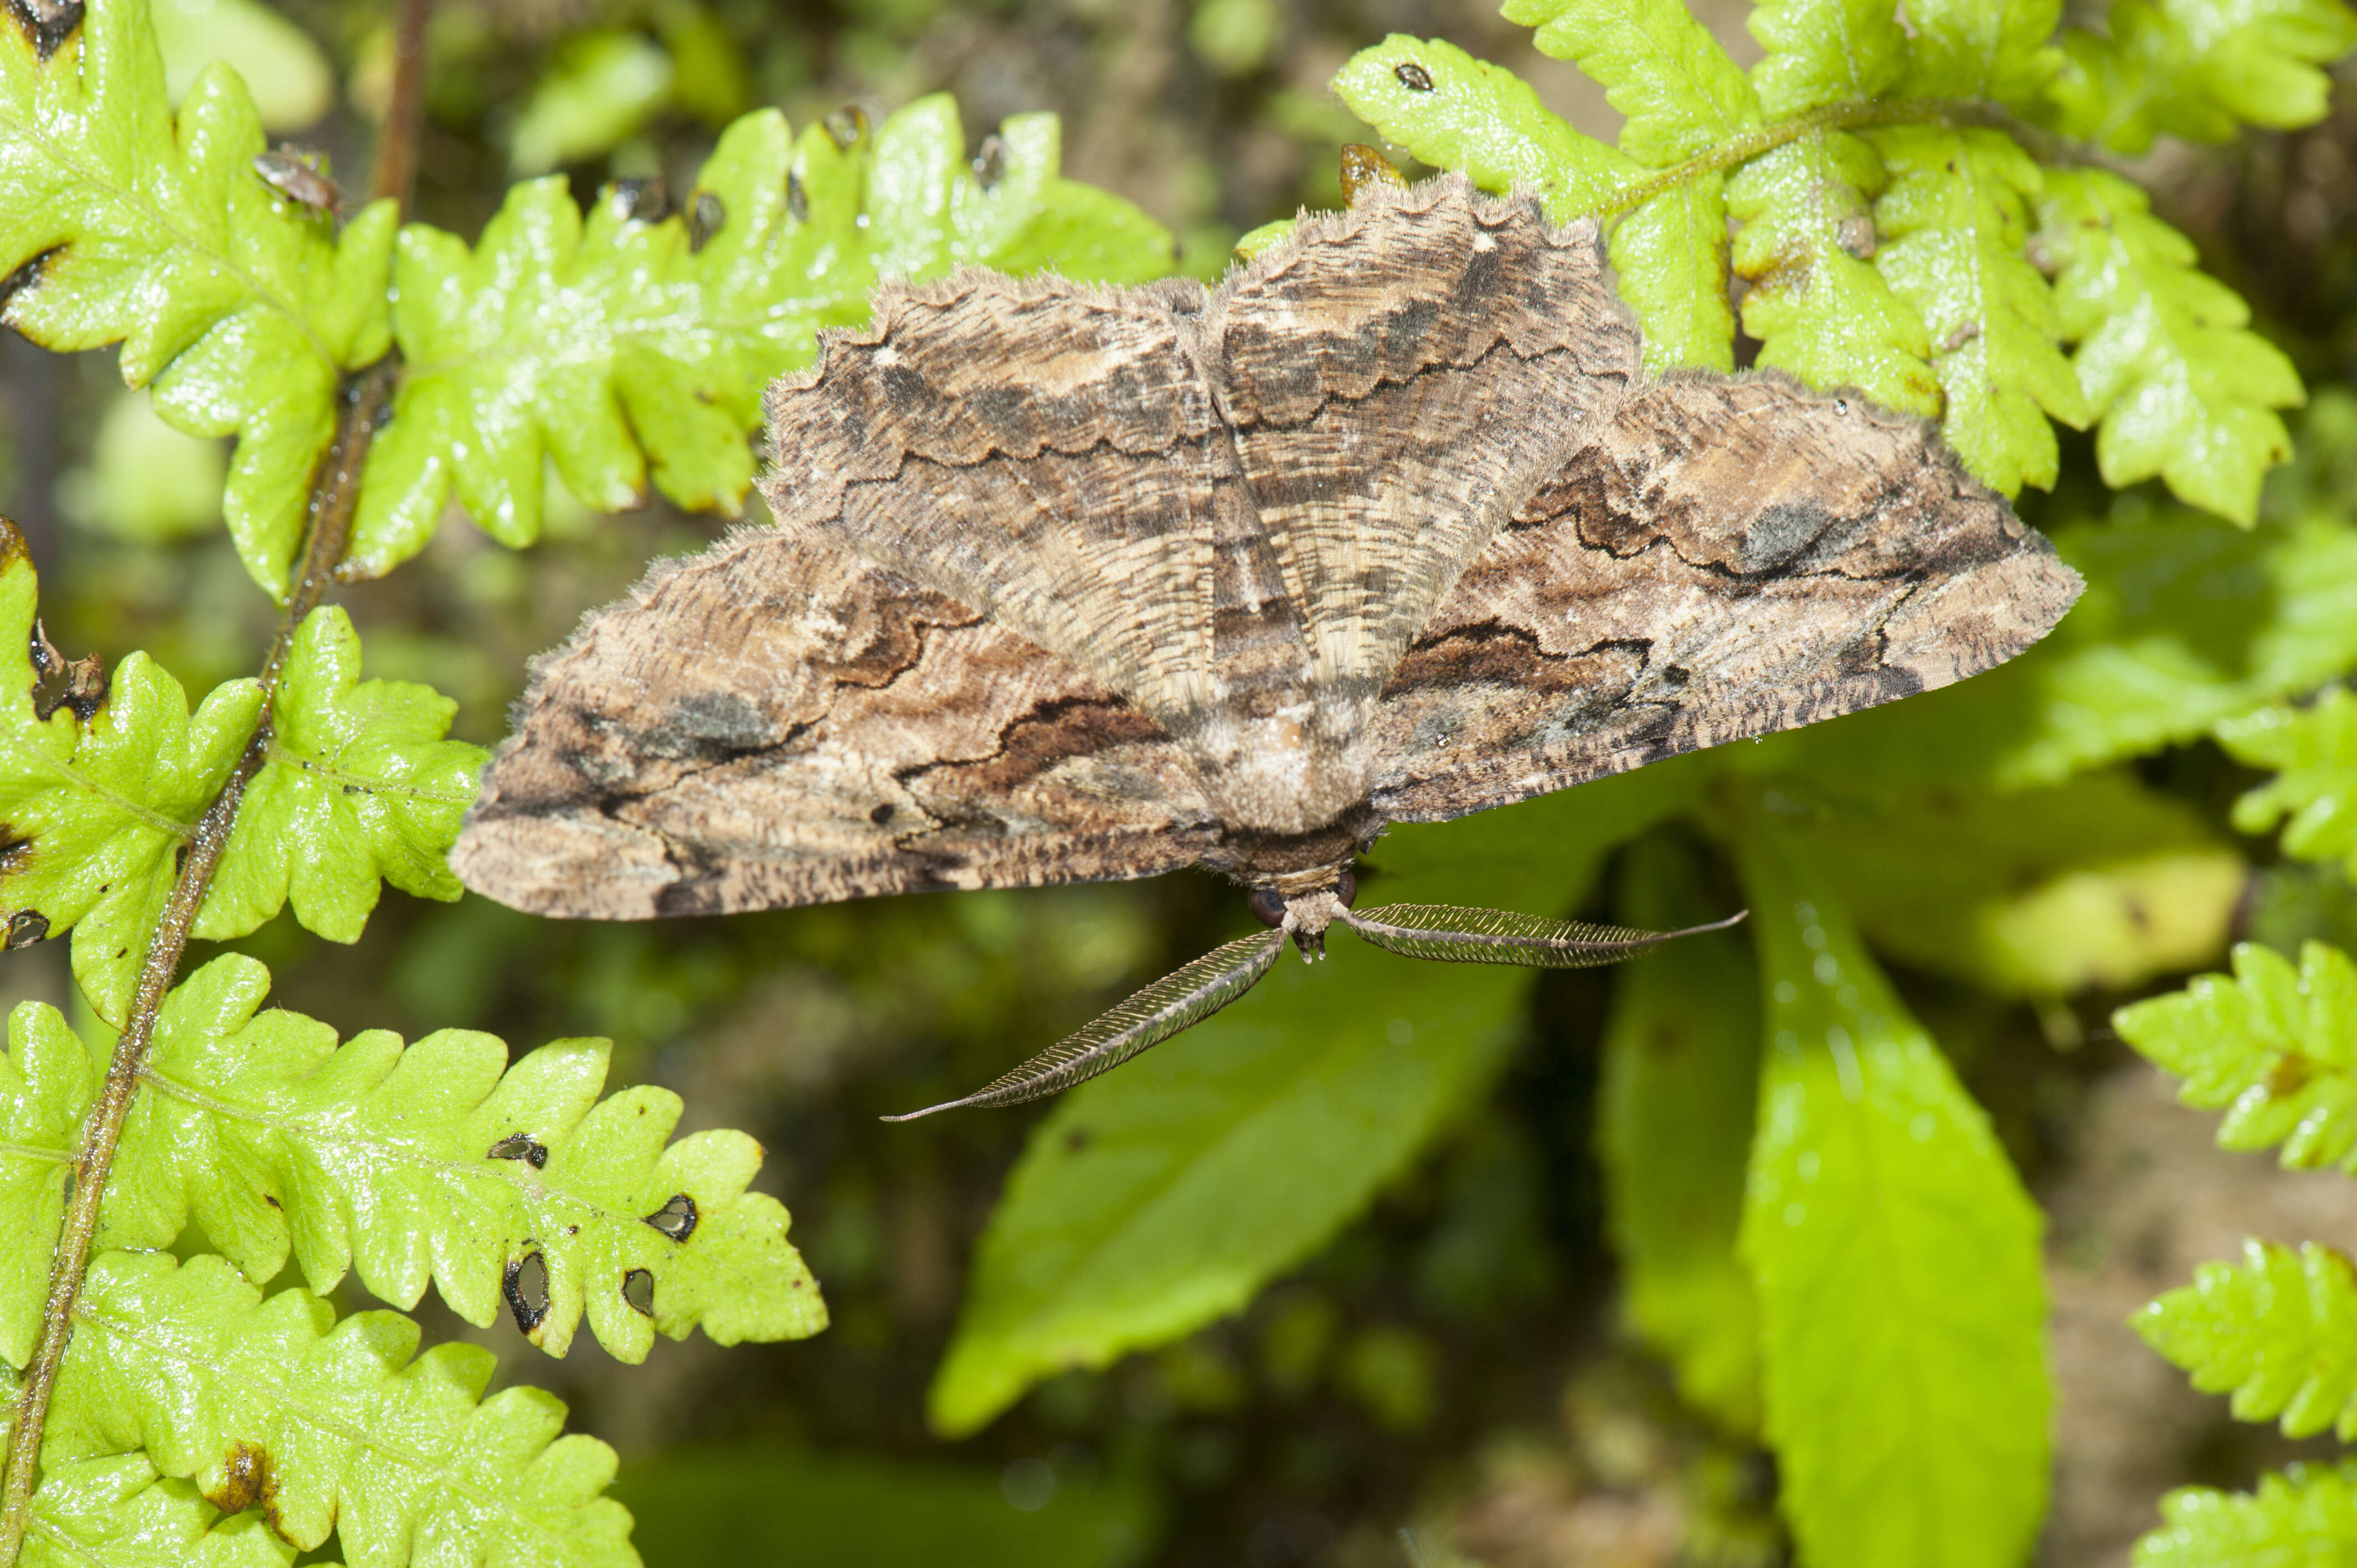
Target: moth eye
1346	889
1267	905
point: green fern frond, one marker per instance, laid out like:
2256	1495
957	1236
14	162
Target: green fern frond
331	1426
361	788
1825	51
2279	1333
1819	307
426	1163
621	349
1953	223
2199	69
2306	1515
2181	388
1973	50
1658	66
98	807
128	224
47	1081
2314	792
2274	1047
118	1512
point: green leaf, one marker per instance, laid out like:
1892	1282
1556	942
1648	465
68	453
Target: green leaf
1954	224
342	1426
47	1082
1657	65
1674	1120
785	1508
426	1163
2314	753
599	88
359	785
1819	308
1455	112
2181	388
118	1513
2279	1333
2274	1047
1895	1258
2307	1515
1995	49
2199	70
623	352
242	307
1140	1211
96	811
1823	51
2096	882
294	85
1671	253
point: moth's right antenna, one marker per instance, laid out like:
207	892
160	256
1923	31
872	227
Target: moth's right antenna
1179	1000
1498	936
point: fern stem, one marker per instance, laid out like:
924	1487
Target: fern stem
335	495
397	157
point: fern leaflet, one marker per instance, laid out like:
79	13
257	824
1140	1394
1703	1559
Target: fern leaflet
2306	1515
2279	1333
2314	792
2275	1048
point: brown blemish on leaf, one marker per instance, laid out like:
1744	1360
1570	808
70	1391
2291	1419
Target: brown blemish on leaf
49	24
247	1481
1362	167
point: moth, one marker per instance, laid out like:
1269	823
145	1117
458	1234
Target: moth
1069	583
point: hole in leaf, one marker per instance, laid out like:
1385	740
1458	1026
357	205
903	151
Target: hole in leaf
48	23
640	200
990	162
526	1288
1413	77
847	126
676	1219
638	1289
519	1146
25	927
706	217
797	199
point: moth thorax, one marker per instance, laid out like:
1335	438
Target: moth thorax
1280	773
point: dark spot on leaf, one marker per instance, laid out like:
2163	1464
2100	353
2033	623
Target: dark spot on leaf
990	162
797	199
247	1481
28	275
640	200
676	1219
519	1146
1413	77
707	216
25	927
1076	1140
526	1288
847	126
881	814
272	1201
48	23
638	1289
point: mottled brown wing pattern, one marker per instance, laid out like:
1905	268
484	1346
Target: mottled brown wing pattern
777	723
1399	378
1731	558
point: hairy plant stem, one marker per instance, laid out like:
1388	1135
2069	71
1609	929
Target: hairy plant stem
335	494
397	159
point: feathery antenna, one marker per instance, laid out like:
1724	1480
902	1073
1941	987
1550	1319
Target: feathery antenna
1452	935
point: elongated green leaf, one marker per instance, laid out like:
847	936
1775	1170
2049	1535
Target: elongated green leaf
1954	224
2314	792
342	1426
1823	51
1671	254
1995	49
1657	65
1457	113
428	1164
1820	309
2306	1515
624	352
2181	388
1897	1261
359	786
2274	1047
97	809
1673	1123
140	228
1164	1195
2199	68
2279	1333
118	1513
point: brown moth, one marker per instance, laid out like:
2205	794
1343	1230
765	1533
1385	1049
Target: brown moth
1072	582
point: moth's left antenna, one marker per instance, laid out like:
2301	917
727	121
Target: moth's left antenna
1179	1000
1498	936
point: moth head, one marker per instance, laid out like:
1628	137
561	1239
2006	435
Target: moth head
1303	906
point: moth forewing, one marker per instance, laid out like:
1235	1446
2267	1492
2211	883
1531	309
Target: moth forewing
1453	935
1179	1000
